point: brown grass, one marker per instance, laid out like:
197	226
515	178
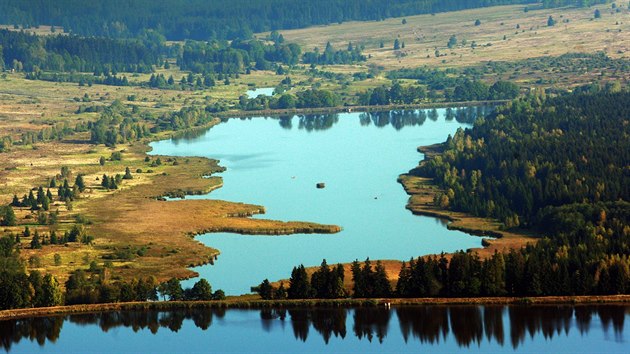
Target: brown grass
424	34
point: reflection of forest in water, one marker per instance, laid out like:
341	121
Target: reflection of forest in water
465	325
396	118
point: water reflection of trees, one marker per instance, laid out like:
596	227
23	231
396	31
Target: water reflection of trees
425	323
370	322
41	330
314	122
398	119
465	325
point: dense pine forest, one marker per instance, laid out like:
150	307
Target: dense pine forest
203	20
21	51
537	153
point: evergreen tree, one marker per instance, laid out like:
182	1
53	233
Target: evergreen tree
105	181
396	44
127	174
51	292
8	216
16	201
172	289
201	291
32	202
299	285
80	183
265	290
280	293
35	242
382	287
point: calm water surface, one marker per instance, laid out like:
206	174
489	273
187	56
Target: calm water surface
276	162
439	329
265	91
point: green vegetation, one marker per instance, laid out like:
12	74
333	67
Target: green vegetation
528	169
218	57
94	286
331	56
536	153
202	20
19	289
31	53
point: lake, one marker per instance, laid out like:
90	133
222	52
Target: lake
439	329
277	162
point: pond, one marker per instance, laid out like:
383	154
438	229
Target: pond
440	329
265	91
277	162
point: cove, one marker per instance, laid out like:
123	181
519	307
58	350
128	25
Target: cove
438	329
276	162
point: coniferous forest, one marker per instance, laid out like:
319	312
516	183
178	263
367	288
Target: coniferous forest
203	20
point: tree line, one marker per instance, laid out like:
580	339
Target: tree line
312	98
62	53
94	286
19	289
330	56
237	56
450	85
22	289
587	253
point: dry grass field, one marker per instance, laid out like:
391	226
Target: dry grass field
506	33
134	231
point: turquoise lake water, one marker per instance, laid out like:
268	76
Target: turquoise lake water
277	162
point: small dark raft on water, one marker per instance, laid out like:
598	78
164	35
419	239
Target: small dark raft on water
321	185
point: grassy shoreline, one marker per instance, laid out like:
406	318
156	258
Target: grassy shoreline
238	303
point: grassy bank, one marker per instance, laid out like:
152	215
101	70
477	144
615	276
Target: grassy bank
254	303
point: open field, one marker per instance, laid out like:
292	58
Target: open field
575	31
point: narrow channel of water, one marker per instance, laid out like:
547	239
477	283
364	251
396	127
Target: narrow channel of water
436	329
277	162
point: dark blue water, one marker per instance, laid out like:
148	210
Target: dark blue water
435	329
276	163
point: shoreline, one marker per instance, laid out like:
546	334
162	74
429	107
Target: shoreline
308	303
422	190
